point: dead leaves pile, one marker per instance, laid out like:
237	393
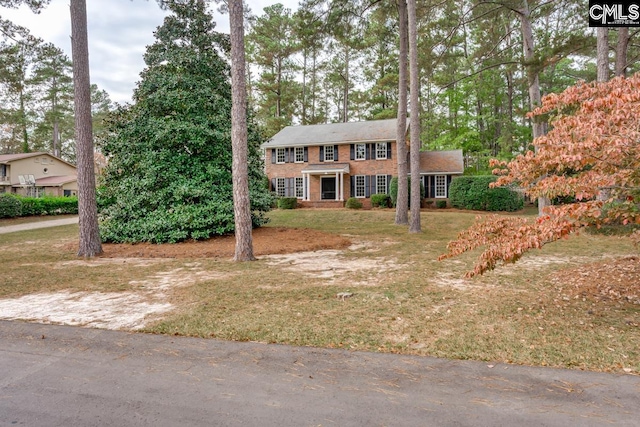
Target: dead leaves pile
616	281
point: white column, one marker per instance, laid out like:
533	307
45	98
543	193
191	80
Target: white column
308	185
341	186
337	187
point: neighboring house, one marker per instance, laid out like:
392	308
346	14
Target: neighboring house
37	174
323	165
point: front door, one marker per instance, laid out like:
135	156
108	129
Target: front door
328	187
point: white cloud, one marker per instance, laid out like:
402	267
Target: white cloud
119	31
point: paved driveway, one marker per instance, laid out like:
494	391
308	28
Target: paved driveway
39	224
68	376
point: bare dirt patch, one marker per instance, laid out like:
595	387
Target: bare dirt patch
147	299
266	241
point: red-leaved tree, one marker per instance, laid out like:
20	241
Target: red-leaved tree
591	156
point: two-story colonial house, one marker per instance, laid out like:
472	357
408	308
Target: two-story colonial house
323	165
37	174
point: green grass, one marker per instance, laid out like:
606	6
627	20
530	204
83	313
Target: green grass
416	306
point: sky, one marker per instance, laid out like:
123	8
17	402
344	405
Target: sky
119	31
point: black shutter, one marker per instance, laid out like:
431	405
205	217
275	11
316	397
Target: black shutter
449	179
288	189
352	152
273	184
388	184
432	186
306	154
273	155
335	153
388	150
367	155
352	192
321	153
367	186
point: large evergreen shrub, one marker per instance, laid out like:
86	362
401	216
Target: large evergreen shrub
473	192
169	172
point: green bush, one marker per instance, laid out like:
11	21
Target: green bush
49	205
10	206
441	204
380	201
353	203
473	192
287	203
393	190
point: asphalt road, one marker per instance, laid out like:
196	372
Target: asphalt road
69	376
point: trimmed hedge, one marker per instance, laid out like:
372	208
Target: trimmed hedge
473	193
380	201
287	203
393	190
353	203
441	204
12	206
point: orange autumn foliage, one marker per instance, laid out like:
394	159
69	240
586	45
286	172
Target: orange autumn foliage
591	154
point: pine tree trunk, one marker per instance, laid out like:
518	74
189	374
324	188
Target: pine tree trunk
240	174
402	202
414	91
90	244
621	51
602	60
535	97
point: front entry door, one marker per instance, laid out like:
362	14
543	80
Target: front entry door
328	186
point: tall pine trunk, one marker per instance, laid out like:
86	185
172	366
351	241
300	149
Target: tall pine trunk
533	80
602	60
89	244
621	51
402	203
414	91
239	145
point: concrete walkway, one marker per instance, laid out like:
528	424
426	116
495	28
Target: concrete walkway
68	376
38	224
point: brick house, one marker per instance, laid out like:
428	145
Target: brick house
323	165
37	174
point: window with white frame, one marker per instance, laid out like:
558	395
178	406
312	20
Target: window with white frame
381	150
299	154
359	186
328	153
441	186
361	151
299	187
280	187
381	184
280	155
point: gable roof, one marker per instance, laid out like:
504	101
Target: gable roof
433	162
8	158
334	133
